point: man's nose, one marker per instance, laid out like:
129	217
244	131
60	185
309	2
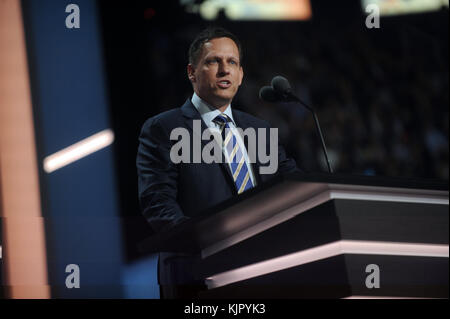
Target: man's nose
223	69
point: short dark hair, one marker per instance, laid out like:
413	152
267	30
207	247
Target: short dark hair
207	35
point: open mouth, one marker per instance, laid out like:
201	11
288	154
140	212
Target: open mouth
224	84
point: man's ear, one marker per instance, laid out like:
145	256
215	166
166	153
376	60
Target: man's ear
241	71
191	72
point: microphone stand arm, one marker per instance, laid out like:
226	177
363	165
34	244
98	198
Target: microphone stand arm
292	98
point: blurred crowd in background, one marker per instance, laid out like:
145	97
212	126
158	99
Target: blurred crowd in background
381	96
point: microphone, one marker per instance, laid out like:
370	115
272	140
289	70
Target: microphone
281	84
281	91
282	87
268	94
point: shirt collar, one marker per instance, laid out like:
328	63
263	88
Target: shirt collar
207	112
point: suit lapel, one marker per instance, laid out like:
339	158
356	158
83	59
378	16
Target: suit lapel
190	114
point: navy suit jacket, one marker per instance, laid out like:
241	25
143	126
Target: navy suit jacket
170	193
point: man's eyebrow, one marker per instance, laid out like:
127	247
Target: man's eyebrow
223	56
226	58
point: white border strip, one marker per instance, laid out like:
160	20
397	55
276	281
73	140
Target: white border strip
323	252
78	150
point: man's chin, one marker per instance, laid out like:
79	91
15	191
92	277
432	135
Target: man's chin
221	100
223	103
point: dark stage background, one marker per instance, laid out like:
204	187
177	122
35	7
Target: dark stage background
381	94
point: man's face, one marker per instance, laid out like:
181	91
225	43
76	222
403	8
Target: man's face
218	73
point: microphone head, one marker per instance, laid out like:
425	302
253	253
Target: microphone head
281	85
268	94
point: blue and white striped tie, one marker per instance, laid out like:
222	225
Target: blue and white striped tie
239	169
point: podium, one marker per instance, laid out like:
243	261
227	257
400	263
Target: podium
321	236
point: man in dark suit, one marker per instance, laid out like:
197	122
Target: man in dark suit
170	192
